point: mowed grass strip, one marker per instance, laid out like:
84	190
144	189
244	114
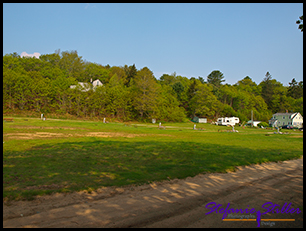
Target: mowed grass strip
46	165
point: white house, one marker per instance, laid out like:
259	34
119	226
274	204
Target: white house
87	86
83	86
228	121
96	84
280	119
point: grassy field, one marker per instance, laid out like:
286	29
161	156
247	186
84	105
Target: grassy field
42	157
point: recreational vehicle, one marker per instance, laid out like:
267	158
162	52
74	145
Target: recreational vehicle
228	121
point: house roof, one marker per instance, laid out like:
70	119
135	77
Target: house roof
97	82
279	113
291	115
286	113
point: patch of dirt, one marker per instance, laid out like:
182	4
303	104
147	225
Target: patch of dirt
37	127
173	203
118	134
112	134
37	135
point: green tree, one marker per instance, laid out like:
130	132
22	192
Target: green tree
267	89
98	102
183	95
201	80
52	59
117	99
59	92
12	61
261	111
77	101
248	85
168	106
179	88
72	65
130	72
295	89
119	71
10	77
297	105
226	110
227	94
204	102
23	91
95	71
300	23
31	63
215	78
168	79
40	91
193	84
279	99
145	93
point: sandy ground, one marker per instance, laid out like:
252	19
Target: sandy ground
173	203
37	135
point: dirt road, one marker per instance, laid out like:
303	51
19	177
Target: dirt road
173	203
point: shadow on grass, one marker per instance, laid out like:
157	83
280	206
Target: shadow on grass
72	166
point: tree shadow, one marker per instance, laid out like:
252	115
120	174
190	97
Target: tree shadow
74	166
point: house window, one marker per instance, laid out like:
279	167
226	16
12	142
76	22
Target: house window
283	123
283	117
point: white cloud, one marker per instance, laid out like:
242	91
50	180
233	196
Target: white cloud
89	6
35	54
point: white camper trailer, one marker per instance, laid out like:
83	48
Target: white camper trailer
228	121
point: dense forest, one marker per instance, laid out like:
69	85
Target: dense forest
42	85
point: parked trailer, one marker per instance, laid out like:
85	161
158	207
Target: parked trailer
228	121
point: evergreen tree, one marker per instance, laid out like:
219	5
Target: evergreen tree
131	73
267	89
295	89
215	78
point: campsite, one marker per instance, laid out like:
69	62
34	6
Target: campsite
58	163
43	157
152	115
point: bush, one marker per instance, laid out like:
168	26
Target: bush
264	124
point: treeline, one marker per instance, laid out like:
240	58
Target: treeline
43	85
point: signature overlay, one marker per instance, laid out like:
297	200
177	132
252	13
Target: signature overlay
268	207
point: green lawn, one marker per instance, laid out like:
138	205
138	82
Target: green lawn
41	157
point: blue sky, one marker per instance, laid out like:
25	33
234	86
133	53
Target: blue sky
189	39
